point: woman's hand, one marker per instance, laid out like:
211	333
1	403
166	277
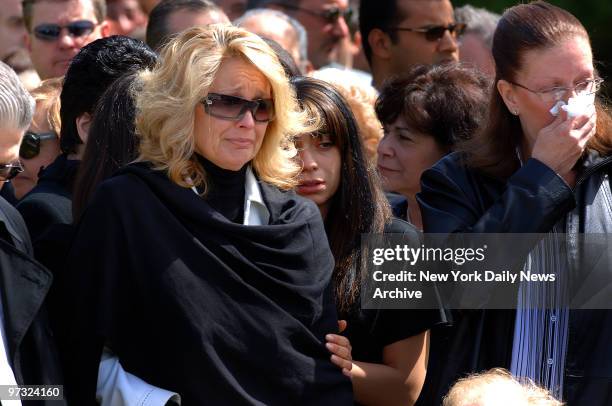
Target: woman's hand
560	144
340	347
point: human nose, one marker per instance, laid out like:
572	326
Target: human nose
309	163
247	120
384	147
448	43
66	40
340	27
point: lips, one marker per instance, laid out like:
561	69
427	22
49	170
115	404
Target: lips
383	169
311	186
241	142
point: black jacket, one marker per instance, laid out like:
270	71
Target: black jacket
24	285
454	198
192	302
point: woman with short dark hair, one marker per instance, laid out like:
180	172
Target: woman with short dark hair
425	113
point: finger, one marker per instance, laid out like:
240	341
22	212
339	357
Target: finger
340	351
341	363
587	131
338	339
347	373
342	325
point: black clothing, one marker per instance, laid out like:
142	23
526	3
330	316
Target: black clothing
24	284
8	193
370	330
218	312
50	202
226	190
399	205
454	198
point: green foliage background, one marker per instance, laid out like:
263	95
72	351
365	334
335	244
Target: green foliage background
595	15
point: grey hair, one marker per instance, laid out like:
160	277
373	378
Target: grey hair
295	24
251	4
16	104
479	21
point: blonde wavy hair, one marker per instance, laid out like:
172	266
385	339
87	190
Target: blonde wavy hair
497	387
361	99
47	96
173	89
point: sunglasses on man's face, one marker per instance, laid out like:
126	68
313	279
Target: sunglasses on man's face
234	108
30	144
51	32
436	32
9	171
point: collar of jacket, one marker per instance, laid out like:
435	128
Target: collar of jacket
62	171
24	286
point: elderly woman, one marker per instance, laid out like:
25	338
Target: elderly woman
541	165
197	266
424	113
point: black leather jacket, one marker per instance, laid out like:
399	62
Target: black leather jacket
454	198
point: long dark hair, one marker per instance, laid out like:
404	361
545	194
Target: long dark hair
522	28
359	206
111	142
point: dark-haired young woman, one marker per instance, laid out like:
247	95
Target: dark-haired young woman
389	346
533	170
113	142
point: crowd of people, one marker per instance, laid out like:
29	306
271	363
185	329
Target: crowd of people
185	186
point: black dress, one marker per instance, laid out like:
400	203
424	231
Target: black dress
197	304
370	330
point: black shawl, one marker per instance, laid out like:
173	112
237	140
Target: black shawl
218	312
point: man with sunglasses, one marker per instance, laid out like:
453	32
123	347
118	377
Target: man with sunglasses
27	351
325	22
58	29
398	34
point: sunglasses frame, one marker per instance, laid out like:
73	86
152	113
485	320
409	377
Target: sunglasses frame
247	105
455	29
36	139
15	169
87	27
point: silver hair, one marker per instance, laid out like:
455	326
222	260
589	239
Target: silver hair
299	29
479	21
16	104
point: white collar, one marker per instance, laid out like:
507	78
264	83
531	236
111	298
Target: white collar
255	211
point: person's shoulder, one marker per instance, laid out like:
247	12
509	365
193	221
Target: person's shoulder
399	226
287	204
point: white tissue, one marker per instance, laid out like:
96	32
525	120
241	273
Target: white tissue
576	106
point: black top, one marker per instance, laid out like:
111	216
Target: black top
218	312
24	284
226	190
458	199
370	330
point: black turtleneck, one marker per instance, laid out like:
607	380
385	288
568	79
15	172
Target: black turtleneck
226	190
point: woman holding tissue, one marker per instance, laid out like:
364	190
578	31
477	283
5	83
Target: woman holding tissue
539	166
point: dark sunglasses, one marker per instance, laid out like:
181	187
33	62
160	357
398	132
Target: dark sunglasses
436	32
234	108
30	144
51	32
9	171
331	14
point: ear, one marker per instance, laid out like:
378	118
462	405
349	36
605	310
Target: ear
104	29
380	42
83	122
508	94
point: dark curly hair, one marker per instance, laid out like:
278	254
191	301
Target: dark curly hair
447	102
